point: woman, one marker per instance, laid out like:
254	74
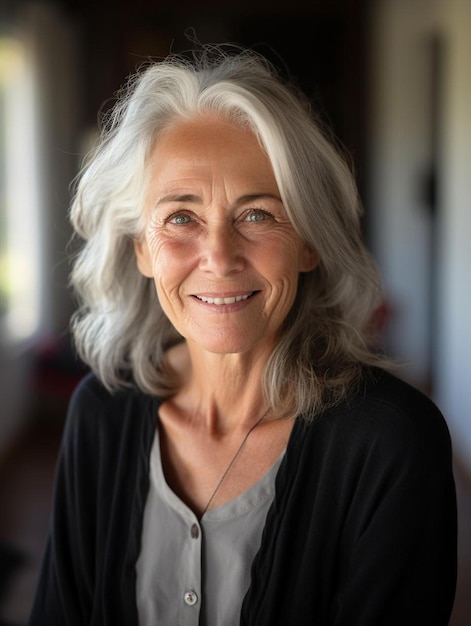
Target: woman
239	454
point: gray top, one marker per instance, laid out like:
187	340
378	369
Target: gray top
196	572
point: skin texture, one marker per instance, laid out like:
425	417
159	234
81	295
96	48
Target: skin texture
216	229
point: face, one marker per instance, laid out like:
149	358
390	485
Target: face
224	257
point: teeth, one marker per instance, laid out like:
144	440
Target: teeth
221	301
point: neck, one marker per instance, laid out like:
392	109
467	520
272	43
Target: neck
223	392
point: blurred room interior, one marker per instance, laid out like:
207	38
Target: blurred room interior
390	78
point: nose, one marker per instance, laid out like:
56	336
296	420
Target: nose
223	251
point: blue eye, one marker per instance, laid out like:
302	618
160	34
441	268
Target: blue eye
180	219
258	215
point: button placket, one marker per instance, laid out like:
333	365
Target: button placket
192	578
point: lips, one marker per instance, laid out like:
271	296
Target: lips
220	301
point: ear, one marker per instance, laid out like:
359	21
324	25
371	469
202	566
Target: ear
143	258
309	259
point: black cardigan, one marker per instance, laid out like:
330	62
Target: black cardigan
362	530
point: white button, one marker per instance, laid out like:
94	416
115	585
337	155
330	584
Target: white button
190	598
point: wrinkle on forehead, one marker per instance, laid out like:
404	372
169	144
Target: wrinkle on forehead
192	154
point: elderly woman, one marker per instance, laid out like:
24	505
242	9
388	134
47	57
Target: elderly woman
239	453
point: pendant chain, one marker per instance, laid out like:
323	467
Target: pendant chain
233	460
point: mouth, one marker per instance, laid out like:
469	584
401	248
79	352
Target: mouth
221	301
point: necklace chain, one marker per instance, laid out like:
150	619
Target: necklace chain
233	460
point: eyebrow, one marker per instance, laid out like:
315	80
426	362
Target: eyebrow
191	198
176	197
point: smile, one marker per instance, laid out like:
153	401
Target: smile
222	301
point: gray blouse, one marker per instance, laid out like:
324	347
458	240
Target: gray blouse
194	572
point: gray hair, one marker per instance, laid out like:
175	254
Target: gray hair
120	330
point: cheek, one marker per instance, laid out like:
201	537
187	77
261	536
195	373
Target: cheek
170	263
161	252
153	242
283	258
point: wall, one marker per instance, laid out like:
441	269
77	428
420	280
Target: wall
400	153
453	390
420	117
50	43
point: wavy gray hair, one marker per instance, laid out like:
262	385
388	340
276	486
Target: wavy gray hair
120	330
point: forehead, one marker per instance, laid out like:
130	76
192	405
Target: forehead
205	130
210	144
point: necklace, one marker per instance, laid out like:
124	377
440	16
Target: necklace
233	460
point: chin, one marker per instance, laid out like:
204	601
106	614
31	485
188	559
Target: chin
234	342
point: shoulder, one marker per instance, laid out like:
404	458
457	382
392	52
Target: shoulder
91	394
390	404
381	387
385	419
97	415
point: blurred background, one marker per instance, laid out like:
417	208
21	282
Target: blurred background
392	79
